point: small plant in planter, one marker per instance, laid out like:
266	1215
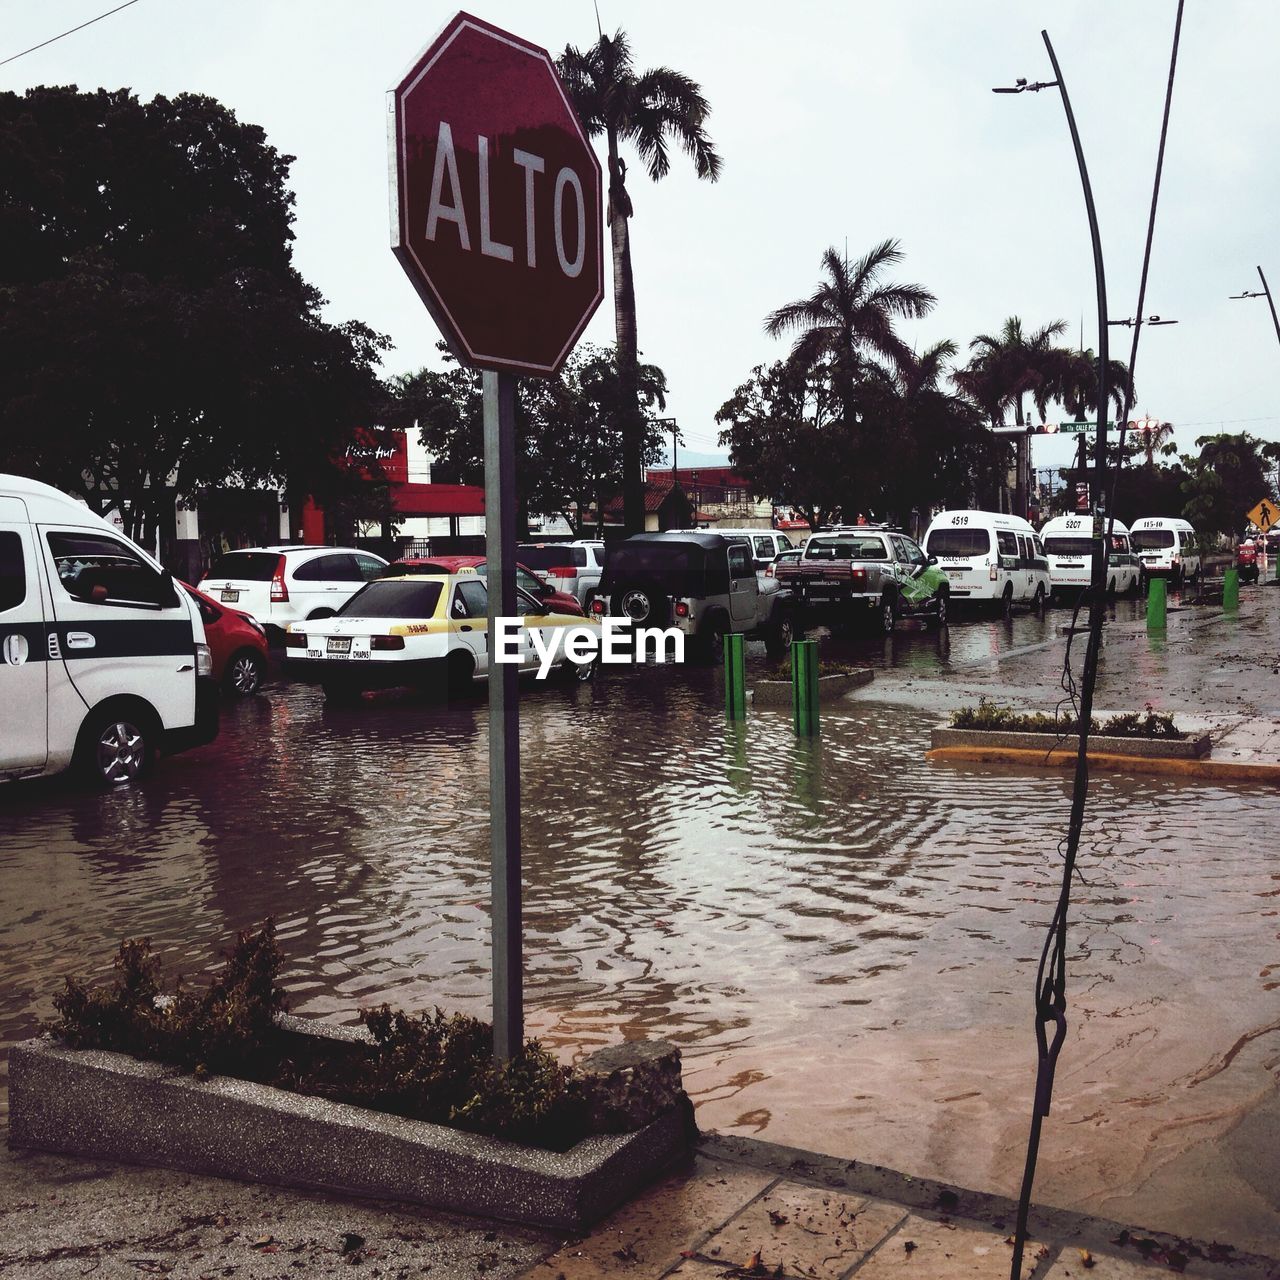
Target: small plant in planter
989	716
825	668
429	1066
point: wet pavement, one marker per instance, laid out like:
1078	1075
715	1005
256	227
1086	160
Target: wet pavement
839	934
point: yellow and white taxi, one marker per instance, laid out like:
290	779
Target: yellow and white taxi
431	630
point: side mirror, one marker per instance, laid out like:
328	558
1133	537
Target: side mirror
933	560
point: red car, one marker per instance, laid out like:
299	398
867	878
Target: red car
1247	560
238	645
526	579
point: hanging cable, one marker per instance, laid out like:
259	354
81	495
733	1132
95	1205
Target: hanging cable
1051	975
13	57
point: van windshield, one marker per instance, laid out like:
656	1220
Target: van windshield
958	542
1151	539
1070	546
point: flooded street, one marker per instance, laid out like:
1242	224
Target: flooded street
841	935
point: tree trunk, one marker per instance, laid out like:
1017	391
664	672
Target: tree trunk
624	316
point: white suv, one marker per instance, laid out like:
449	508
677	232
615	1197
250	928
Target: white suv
574	567
279	585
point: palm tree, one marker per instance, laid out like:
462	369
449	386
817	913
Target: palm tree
1009	366
1079	390
848	319
649	110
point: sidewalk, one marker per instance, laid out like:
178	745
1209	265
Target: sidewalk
741	1208
748	1208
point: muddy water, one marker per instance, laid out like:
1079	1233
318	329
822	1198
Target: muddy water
841	936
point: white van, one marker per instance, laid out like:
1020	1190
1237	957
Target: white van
1068	547
989	556
1166	548
103	662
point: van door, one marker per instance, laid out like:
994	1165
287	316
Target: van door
24	667
121	625
742	584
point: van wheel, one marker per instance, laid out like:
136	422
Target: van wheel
1006	603
244	673
1111	587
115	748
1037	604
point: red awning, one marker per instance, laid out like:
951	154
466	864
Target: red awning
438	499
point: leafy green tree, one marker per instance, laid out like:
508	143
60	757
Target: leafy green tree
1231	475
648	110
155	336
785	433
568	429
1007	367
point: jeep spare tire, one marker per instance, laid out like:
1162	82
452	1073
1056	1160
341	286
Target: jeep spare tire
642	602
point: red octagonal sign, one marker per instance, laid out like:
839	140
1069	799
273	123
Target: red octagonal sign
498	219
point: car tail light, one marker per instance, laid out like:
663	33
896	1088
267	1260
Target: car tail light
204	660
858	575
682	609
295	640
768	571
563	571
597	606
279	592
386	642
1173	560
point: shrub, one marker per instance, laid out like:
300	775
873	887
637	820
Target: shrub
986	715
428	1066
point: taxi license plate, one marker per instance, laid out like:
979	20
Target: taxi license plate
229	597
339	647
955	573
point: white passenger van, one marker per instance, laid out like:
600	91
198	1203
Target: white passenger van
1166	548
987	555
1068	547
103	662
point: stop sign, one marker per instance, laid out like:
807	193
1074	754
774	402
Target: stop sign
498	220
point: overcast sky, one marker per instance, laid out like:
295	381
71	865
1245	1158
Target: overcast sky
838	123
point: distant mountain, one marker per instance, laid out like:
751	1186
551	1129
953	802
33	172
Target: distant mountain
692	458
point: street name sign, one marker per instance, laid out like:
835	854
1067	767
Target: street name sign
497	199
1265	515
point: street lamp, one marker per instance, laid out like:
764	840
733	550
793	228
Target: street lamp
1130	322
1051	1000
1264	292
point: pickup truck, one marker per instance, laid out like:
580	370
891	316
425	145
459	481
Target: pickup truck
866	573
702	583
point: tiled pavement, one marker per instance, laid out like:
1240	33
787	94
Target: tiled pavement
750	1209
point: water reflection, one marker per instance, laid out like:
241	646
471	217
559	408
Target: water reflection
841	935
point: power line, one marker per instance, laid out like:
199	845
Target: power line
15	56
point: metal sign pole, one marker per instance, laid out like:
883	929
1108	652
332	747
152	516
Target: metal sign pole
504	715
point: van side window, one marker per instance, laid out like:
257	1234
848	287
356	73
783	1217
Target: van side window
1007	543
13	571
96	569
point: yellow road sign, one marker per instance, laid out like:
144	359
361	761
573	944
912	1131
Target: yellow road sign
1265	515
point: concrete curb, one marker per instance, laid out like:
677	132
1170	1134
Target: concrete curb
777	693
1165	748
113	1107
1199	770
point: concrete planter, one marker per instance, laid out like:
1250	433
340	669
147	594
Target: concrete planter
114	1107
777	693
1192	748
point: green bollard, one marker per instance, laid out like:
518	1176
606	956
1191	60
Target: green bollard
1157	598
1231	589
735	678
804	687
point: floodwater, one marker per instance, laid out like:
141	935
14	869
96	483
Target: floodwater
840	935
